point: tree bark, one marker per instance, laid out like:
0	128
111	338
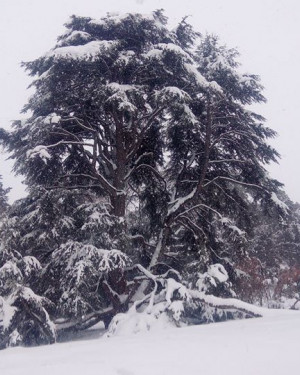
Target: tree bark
118	203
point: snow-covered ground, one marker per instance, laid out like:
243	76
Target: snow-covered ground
268	345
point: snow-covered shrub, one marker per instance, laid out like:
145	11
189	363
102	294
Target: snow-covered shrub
137	322
78	278
215	281
24	317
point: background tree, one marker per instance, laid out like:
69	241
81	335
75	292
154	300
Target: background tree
274	244
23	314
3	197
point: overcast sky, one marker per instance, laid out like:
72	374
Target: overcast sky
266	32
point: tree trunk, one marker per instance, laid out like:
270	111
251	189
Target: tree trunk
118	203
160	247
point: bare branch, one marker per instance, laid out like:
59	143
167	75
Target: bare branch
200	205
78	175
68	143
228	161
78	122
233	181
72	187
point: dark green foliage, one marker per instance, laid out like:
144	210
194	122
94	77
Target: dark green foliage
138	150
3	197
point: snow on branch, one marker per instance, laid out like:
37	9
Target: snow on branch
233	181
88	51
279	203
42	150
173	93
177	203
200	79
39	151
160	49
200	205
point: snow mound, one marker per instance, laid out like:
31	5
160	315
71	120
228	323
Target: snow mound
133	323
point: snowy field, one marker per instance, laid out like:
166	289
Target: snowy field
268	345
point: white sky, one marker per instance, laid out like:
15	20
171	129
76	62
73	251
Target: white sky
266	32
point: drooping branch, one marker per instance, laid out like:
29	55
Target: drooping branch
81	143
228	304
234	182
200	205
188	223
150	168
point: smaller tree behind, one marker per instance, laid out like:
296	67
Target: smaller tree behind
3	197
24	316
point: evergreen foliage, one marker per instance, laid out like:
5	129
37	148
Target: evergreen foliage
3	197
144	166
24	315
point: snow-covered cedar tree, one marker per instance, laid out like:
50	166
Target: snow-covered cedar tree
145	131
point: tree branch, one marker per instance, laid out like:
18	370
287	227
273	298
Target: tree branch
234	181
